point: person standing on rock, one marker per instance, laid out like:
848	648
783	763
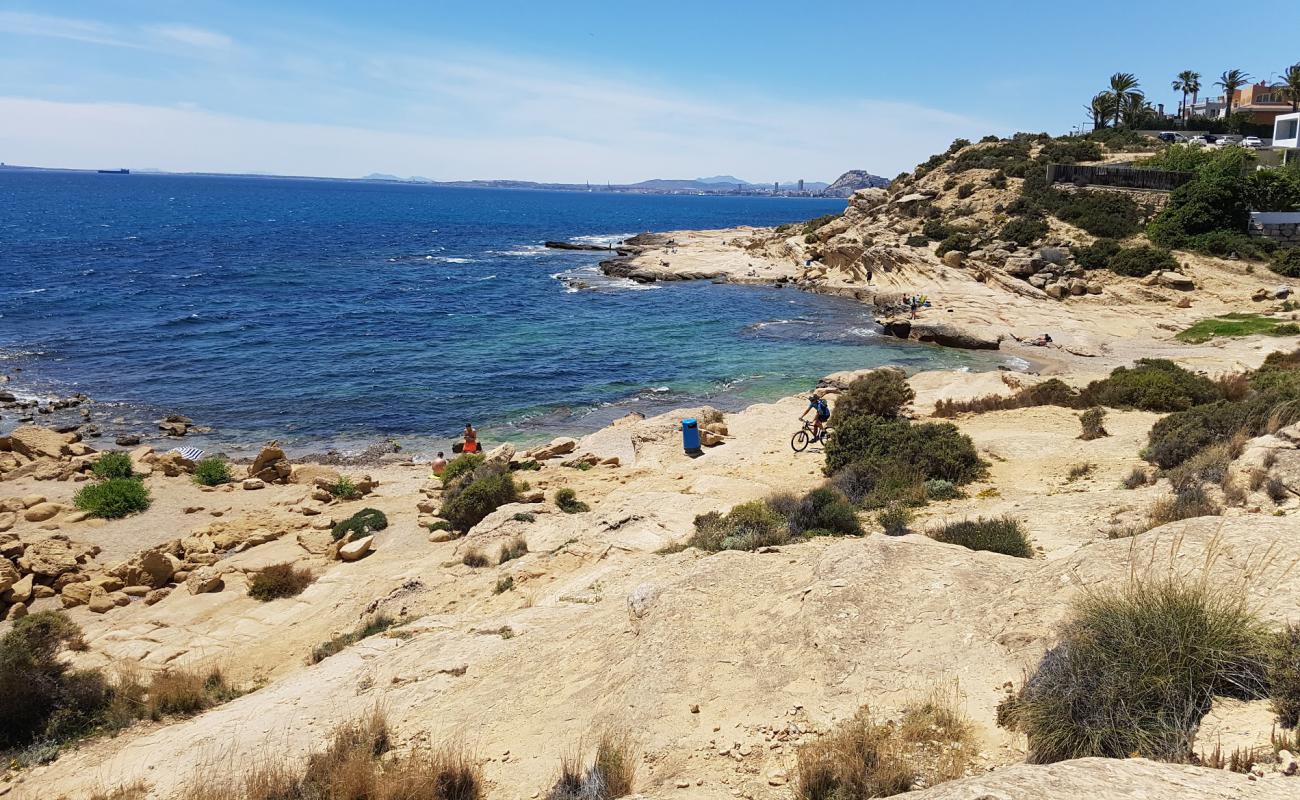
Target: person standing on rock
439	464
471	439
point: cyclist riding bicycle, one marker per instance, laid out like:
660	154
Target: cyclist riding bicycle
822	413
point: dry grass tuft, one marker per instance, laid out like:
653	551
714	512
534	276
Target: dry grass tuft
475	558
611	774
515	548
1186	503
186	692
279	580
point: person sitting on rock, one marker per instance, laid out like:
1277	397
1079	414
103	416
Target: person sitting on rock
471	439
439	464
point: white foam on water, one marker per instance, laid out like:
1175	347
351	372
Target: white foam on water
605	239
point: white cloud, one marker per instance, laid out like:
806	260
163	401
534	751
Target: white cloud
22	24
191	36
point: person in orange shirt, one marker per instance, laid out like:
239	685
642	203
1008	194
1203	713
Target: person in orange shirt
471	439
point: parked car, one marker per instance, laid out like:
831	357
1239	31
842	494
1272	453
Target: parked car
1199	141
1167	136
1253	142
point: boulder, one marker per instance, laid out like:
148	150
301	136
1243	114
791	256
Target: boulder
1020	266
1094	287
954	259
155	596
34	442
710	439
41	512
7	520
32	500
158	568
1174	280
1054	255
1056	291
16	611
20	592
76	594
127	440
254	483
9	575
557	447
99	601
271	466
50	558
354	550
500	455
1183	302
1260	295
314	475
1078	287
136	591
174	464
203	580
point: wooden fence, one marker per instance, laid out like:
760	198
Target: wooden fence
1153	180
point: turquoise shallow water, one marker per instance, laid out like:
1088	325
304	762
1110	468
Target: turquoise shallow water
330	313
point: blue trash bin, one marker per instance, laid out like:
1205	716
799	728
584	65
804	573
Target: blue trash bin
690	435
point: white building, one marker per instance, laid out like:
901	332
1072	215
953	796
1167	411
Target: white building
1286	132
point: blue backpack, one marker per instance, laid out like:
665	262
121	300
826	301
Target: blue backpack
823	410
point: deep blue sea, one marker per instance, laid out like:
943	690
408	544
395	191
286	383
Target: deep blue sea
333	313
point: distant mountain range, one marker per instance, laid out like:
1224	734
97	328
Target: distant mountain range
717	184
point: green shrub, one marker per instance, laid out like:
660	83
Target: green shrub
40	695
1140	261
917	241
748	526
1024	231
362	523
1152	384
1000	535
376	624
477	499
439	525
934	450
1227	244
895	518
1107	214
344	488
212	471
825	510
1096	255
962	242
1284	677
1205	205
113	464
113	499
1071	150
998	180
524	516
462	464
939	489
882	393
1011	156
1136	669
965	190
568	502
1273	190
1287	263
1180	436
936	230
279	580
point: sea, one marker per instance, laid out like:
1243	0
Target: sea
333	314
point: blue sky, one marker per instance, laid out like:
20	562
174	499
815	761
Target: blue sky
575	91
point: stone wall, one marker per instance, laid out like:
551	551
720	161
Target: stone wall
1154	200
1281	227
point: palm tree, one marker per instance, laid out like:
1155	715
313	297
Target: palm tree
1187	82
1291	86
1231	81
1123	88
1100	109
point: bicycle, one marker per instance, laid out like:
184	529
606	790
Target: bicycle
804	437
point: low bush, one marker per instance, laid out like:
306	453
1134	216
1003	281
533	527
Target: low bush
1152	384
517	547
1209	204
882	393
364	522
934	450
1140	261
463	464
939	489
1187	502
568	502
479	497
1000	535
965	190
185	692
275	581
504	584
859	759
524	516
1138	477
1051	392
475	558
40	695
1284	677
112	499
823	511
439	525
962	242
917	241
375	625
1106	214
747	526
611	773
212	471
1287	262
1092	422
344	488
1136	668
1179	436
895	519
1024	231
1078	471
1096	255
113	464
936	230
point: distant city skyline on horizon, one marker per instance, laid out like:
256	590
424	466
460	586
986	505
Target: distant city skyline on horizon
567	92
